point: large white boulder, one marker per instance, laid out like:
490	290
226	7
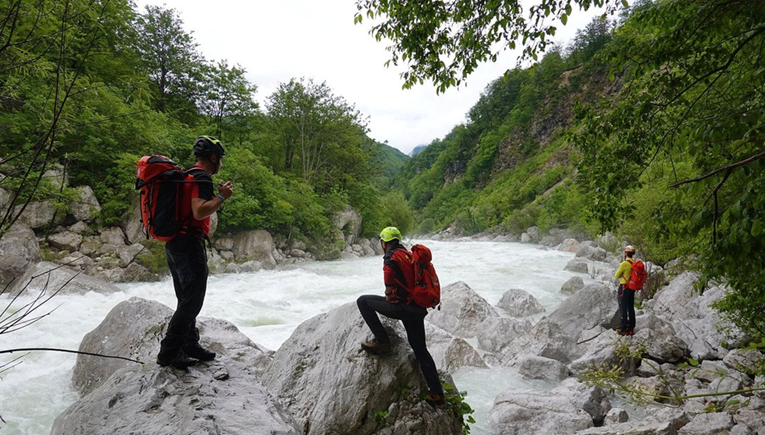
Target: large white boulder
520	303
495	333
133	328
692	316
658	335
545	339
450	352
39	214
223	396
708	424
521	412
537	367
573	285
331	386
593	305
348	222
19	250
66	240
52	277
255	245
85	207
462	309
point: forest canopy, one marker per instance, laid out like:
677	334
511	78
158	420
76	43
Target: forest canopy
92	86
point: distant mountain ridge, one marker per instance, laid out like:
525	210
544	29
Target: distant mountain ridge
418	149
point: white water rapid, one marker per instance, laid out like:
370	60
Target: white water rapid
267	306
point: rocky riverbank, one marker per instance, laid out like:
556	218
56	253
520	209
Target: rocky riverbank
695	379
45	238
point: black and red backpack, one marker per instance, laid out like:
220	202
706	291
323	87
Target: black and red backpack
160	182
426	291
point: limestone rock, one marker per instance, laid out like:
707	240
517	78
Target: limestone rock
213	224
61	277
632	428
569	245
39	214
616	415
695	321
19	250
573	285
587	251
743	360
119	396
5	197
132	226
462	309
526	238
134	328
85	207
533	232
600	352
135	272
537	367
708	424
349	223
519	303
495	333
128	253
594	305
449	352
113	236
518	412
255	245
80	228
659	336
331	386
545	339
577	265
224	243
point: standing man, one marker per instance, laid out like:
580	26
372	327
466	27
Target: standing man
398	274
187	258
626	295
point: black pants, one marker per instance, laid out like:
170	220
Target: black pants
413	318
627	308
187	260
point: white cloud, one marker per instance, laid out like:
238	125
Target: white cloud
279	40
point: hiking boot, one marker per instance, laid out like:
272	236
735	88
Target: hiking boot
436	400
376	347
179	361
199	352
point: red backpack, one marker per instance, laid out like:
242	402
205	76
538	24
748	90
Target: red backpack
160	182
426	291
637	276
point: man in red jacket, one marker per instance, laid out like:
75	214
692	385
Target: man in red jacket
398	273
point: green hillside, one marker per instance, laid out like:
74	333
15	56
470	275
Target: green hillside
652	126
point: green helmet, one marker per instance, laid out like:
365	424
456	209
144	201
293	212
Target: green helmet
390	233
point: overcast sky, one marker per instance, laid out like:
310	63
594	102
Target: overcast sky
279	40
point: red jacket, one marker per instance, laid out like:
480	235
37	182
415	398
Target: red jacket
398	274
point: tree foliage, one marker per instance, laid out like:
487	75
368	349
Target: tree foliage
692	106
89	87
445	41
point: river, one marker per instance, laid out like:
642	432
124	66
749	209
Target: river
267	306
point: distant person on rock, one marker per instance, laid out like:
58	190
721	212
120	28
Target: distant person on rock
397	271
187	258
626	296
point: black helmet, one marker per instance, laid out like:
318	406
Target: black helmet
207	145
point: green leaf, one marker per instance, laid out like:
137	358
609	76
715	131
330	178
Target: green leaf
756	227
568	9
564	19
693	362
